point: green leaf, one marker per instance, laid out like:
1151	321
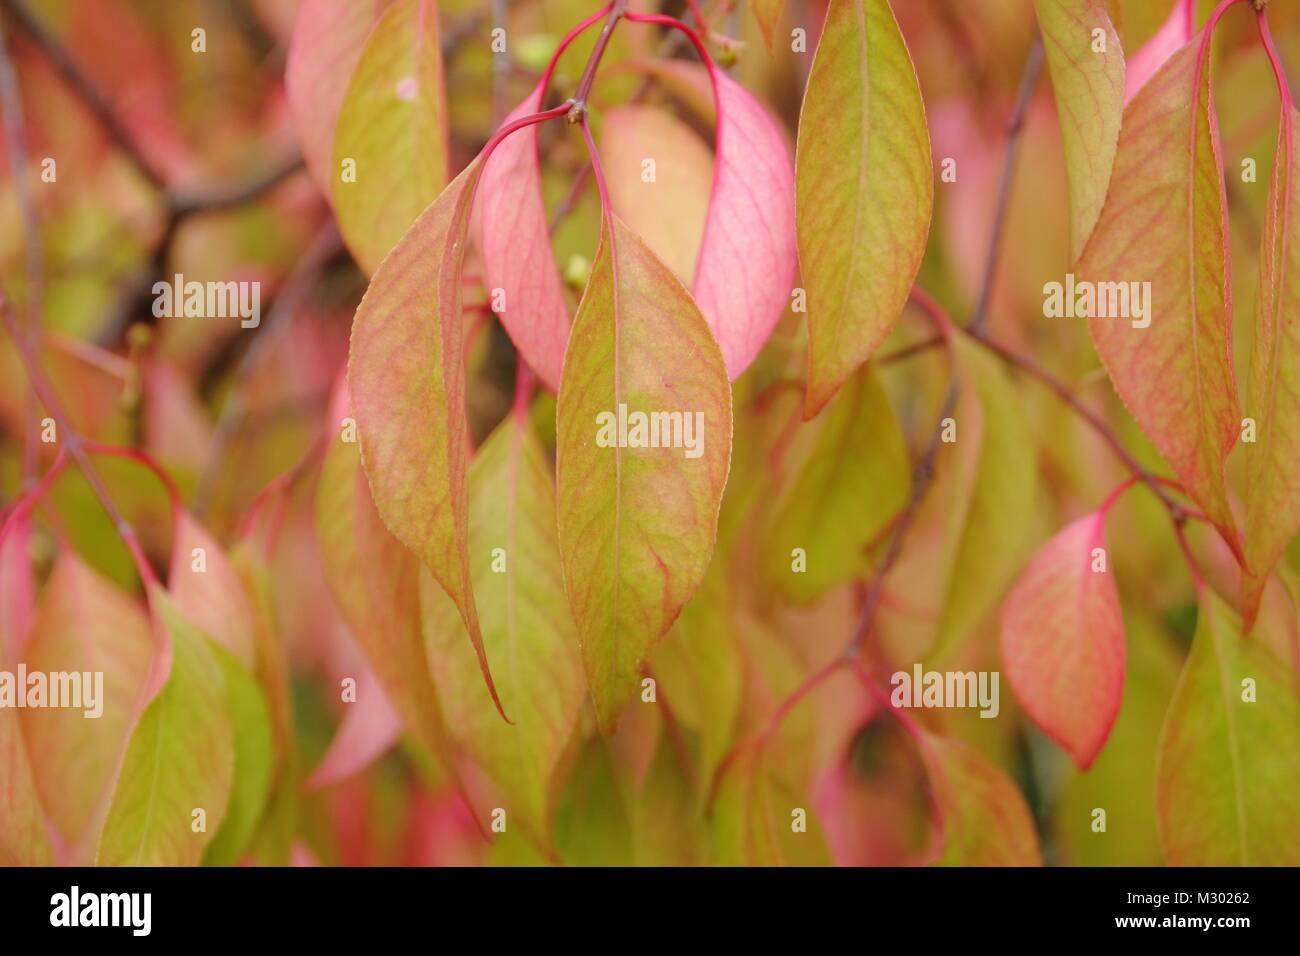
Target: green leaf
636	524
526	627
207	590
768	14
1164	223
1273	464
1228	770
1089	89
864	190
254	762
393	126
181	758
853	477
23	841
406	374
741	826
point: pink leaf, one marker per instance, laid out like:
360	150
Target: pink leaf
747	258
369	727
1063	639
511	227
1172	34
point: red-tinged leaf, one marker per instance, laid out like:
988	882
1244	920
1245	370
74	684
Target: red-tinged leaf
741	817
1172	34
1063	639
84	625
207	590
636	524
1089	88
1228	770
23	841
393	125
368	729
181	758
374	581
406	375
1273	464
1165	224
985	819
512	232
327	40
768	13
527	629
865	190
747	255
668	210
17	586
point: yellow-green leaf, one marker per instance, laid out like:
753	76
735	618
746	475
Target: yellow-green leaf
636	524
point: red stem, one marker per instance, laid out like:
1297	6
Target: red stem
1283	87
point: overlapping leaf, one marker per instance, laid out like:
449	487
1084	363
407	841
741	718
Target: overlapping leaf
864	190
1176	30
207	590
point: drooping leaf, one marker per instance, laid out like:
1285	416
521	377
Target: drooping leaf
1063	639
180	759
852	479
207	590
406	375
768	14
1273	464
84	625
374	581
23	841
1228	771
747	255
636	524
741	823
864	190
254	761
512	233
392	124
1164	223
1172	34
17	584
526	627
667	208
368	729
985	819
328	36
1089	86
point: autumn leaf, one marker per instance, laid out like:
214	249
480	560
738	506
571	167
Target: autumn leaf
864	190
768	14
368	729
636	524
526	627
207	590
1176	30
1228	770
1089	86
180	758
23	840
406	375
741	826
1063	639
1164	224
1273	463
392	128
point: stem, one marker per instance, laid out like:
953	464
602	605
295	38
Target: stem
1283	87
617	10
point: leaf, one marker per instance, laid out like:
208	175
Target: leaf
374	580
328	36
853	478
84	624
636	525
393	124
988	527
668	212
17	584
768	13
1089	90
986	822
1177	29
250	720
1228	771
368	729
23	841
1063	639
1164	222
181	758
406	375
741	825
526	627
747	256
864	190
207	590
1273	467
512	232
